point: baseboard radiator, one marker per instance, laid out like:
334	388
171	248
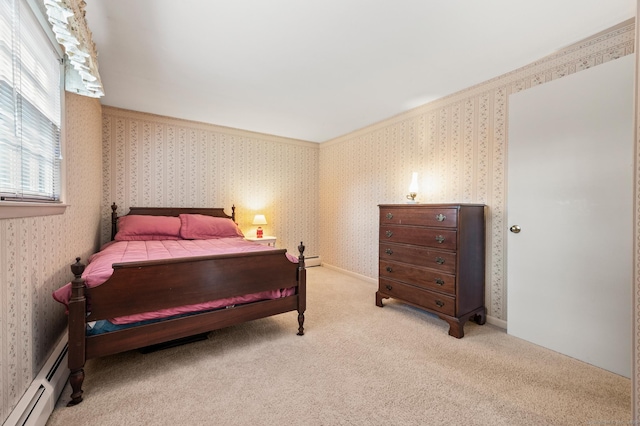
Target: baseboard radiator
38	402
312	261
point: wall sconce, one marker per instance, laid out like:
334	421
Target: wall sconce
259	219
413	189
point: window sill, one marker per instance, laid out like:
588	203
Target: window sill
16	209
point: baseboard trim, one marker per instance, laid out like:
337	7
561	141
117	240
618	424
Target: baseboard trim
497	322
353	274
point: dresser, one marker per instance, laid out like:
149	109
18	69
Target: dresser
432	256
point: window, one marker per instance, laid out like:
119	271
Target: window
30	108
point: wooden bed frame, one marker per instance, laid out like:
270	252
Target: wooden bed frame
137	287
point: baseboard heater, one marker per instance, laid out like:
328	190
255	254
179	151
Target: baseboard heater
38	402
312	261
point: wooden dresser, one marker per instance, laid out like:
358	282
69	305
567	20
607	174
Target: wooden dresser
433	256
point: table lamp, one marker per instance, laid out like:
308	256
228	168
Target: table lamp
259	219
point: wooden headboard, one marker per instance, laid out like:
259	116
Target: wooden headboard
169	211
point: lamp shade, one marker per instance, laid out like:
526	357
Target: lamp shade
259	219
413	187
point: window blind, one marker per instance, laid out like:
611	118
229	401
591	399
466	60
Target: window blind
30	107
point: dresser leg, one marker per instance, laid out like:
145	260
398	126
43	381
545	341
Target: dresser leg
481	317
379	298
456	328
456	325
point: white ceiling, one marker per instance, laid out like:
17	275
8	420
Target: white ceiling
315	70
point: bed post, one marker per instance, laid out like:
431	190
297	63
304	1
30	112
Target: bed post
233	212
302	289
114	220
77	314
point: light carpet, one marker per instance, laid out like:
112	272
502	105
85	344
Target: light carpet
357	364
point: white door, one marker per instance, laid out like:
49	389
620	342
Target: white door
570	191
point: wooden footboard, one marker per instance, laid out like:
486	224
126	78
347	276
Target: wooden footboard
138	287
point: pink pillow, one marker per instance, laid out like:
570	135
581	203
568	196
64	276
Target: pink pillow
201	227
140	228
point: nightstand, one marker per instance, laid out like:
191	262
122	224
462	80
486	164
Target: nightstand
265	241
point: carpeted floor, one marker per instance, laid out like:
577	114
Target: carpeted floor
357	364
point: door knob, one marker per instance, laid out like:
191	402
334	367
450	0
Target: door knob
515	229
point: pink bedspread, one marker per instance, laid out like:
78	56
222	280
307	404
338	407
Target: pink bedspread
100	269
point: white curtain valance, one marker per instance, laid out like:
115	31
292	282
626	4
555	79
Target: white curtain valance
67	19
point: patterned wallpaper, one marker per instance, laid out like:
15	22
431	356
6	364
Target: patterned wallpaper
35	254
457	144
149	160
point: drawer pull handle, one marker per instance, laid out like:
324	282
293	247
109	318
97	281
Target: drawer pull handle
389	269
389	251
440	217
439	261
440	303
388	287
439	281
389	216
389	234
440	239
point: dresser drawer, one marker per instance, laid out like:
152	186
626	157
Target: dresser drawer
415	295
438	217
425	278
444	239
420	256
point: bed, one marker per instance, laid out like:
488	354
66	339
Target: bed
231	286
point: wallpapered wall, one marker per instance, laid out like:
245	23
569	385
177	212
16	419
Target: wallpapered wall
149	160
35	254
458	145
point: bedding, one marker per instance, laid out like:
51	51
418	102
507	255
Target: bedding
202	227
143	228
100	268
